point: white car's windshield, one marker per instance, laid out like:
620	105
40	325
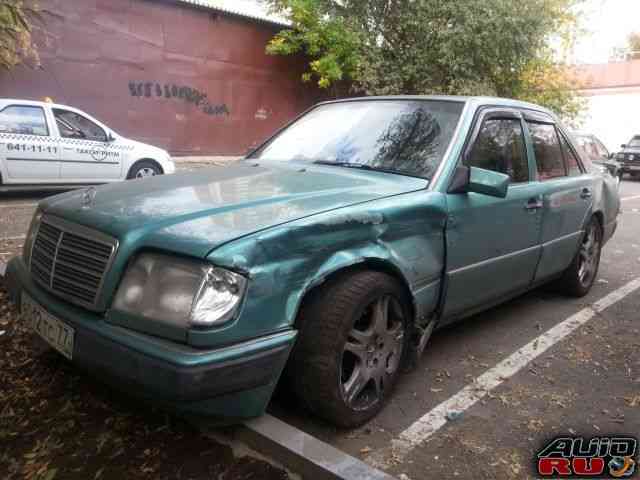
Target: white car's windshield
400	136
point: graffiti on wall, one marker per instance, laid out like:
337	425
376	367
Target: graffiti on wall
187	94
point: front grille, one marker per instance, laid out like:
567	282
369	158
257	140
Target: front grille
70	260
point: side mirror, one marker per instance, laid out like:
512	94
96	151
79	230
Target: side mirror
624	145
479	180
110	137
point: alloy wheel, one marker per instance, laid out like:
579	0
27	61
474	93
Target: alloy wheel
372	353
589	255
145	172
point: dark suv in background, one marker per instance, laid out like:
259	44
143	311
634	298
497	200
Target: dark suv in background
629	157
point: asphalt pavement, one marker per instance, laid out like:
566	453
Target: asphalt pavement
586	383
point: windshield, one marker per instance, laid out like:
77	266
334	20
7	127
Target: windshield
591	147
634	142
400	136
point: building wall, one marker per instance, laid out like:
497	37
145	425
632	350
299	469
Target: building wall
613	115
186	79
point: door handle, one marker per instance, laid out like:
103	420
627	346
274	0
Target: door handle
533	203
586	193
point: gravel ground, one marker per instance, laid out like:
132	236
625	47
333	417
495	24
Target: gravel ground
10	248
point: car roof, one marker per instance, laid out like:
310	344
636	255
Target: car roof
477	100
32	103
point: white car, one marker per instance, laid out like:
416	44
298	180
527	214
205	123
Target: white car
46	143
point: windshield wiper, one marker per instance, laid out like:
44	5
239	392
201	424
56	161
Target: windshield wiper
363	166
345	164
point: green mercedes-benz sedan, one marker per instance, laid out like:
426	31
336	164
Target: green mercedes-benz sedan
326	257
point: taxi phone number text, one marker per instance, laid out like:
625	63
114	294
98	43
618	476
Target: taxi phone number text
23	147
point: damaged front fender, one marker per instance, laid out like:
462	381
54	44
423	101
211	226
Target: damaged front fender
403	234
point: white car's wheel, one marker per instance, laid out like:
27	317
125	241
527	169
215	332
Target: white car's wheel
144	169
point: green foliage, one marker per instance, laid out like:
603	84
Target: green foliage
552	85
326	38
15	33
478	47
634	45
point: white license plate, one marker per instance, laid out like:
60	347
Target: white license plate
55	332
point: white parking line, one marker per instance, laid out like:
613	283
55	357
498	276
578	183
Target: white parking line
17	237
431	422
633	197
18	205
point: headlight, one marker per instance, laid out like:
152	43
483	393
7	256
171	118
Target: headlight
179	291
31	235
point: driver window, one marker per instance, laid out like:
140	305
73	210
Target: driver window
500	147
73	125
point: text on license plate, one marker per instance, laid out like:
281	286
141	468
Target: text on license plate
55	332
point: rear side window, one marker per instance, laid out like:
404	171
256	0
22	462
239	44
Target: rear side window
24	120
573	166
500	147
546	147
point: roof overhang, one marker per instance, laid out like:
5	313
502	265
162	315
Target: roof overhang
254	10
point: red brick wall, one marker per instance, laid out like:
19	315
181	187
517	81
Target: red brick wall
144	67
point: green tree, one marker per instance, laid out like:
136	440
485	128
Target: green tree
16	43
634	45
479	47
323	33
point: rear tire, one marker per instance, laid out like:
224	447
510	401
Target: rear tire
578	278
353	340
144	169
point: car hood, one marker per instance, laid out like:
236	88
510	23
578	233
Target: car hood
194	212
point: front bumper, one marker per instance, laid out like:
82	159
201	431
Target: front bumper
168	166
233	382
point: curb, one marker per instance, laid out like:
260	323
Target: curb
303	454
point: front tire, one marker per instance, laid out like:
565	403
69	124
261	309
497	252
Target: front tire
353	340
580	275
144	169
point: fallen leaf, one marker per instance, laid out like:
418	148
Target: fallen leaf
633	401
51	474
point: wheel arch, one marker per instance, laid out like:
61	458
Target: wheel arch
145	159
363	264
